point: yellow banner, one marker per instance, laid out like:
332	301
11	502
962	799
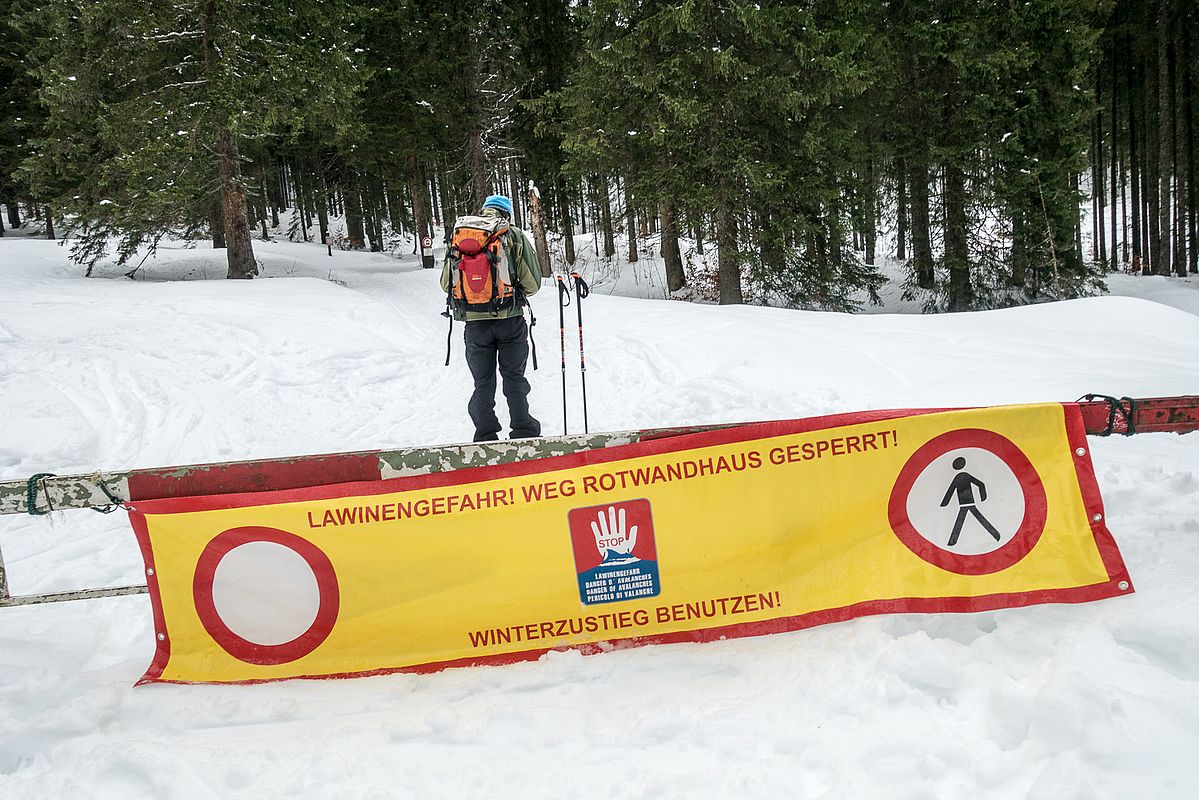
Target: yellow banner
756	529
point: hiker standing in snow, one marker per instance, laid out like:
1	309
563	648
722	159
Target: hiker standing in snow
490	270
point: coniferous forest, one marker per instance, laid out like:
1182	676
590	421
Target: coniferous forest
1010	151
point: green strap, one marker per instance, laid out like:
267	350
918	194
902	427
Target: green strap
31	493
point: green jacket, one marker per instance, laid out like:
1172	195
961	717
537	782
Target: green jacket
522	264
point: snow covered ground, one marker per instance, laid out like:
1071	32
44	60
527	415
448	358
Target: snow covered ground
345	352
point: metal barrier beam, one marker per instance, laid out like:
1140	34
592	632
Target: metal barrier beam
1102	415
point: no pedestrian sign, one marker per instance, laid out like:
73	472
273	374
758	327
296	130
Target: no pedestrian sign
969	501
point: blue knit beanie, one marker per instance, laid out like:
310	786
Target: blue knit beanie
499	202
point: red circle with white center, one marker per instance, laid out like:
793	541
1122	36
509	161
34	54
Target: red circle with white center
239	647
1027	534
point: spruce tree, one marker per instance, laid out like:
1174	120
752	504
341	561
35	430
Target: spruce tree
1033	109
151	103
725	107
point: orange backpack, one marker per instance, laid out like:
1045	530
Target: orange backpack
480	277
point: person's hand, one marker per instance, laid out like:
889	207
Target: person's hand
612	538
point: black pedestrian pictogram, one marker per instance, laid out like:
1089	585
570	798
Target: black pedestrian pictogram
963	485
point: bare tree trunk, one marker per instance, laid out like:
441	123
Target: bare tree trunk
263	203
1124	232
393	199
301	181
49	223
1189	137
478	169
1115	187
727	258
216	222
922	247
568	228
416	188
373	213
538	224
1096	209
579	199
1149	193
1097	176
1019	254
870	230
14	214
475	154
1134	158
355	231
515	193
630	216
439	209
1178	153
239	249
676	279
1165	138
605	204
449	204
957	254
322	206
836	256
770	244
1062	245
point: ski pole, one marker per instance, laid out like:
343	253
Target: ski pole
563	302
581	291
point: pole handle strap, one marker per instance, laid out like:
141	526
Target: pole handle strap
581	287
532	342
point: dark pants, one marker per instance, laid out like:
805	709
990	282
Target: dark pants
506	342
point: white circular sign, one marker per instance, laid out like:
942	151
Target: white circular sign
265	593
967	501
